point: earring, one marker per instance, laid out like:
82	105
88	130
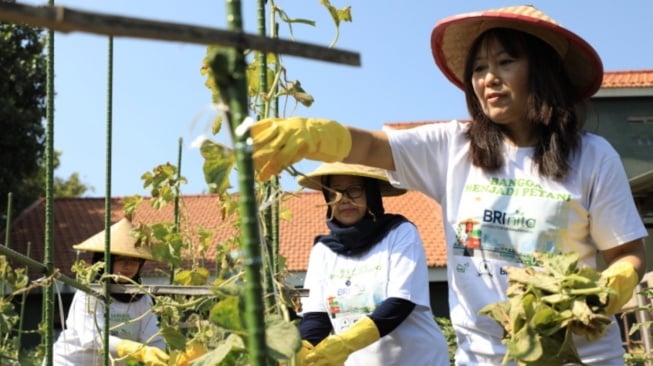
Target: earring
331	216
371	214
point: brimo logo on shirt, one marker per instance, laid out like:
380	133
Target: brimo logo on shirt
516	220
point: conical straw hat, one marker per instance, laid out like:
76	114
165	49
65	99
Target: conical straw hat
123	242
453	37
313	180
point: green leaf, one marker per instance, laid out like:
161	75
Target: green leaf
545	321
526	345
228	352
174	338
194	277
226	313
218	164
282	338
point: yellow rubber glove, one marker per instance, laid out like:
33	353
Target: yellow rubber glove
150	356
279	143
621	278
335	349
300	357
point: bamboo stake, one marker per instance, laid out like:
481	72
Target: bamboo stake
66	20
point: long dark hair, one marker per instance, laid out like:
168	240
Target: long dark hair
554	106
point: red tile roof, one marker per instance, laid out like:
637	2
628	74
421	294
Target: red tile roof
627	79
76	219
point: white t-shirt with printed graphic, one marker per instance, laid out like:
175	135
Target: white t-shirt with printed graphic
500	219
81	342
349	288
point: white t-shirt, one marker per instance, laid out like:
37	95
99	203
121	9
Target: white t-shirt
498	219
349	288
81	342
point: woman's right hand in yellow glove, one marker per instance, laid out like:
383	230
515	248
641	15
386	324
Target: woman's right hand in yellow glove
621	278
279	143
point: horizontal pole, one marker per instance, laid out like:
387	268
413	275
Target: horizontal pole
31	263
176	290
66	20
96	289
157	289
40	267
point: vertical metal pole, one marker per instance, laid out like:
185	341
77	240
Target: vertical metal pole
644	317
23	300
48	255
177	194
8	223
7	234
269	215
107	203
236	88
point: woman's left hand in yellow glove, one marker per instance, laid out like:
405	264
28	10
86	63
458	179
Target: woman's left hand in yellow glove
279	143
149	355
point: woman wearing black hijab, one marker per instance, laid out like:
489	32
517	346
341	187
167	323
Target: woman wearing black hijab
368	300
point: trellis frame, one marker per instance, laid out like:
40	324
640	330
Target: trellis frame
66	20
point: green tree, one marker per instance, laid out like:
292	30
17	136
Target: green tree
22	109
72	187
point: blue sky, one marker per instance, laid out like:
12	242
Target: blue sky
159	95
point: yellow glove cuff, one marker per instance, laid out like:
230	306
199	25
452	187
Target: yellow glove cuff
621	278
330	140
335	349
363	333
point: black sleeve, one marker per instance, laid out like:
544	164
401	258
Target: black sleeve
314	327
391	313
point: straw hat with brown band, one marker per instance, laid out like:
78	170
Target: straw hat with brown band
314	179
123	242
452	38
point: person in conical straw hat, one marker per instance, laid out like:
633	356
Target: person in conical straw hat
523	167
367	278
81	341
124	242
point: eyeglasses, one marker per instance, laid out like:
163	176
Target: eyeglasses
353	192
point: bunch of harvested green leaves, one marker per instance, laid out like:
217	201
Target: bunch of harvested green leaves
546	305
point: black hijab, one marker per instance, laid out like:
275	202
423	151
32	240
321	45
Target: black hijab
372	228
121	297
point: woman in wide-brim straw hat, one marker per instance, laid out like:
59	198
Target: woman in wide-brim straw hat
524	168
124	242
81	341
367	278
